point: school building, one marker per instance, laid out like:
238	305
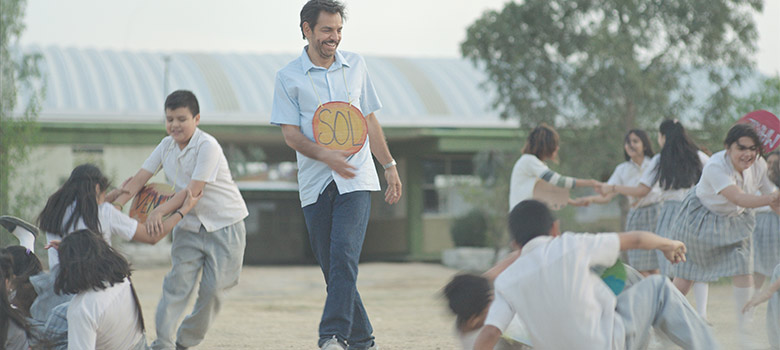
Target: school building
106	107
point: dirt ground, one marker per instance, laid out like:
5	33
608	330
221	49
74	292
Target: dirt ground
279	308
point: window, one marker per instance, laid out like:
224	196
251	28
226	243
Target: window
443	177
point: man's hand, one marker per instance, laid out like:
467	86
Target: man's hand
394	187
337	161
674	251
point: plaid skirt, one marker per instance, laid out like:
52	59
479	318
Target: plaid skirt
643	219
666	218
718	246
766	242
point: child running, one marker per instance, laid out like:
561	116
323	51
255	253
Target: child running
716	221
209	240
564	305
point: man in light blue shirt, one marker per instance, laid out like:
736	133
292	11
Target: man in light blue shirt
334	184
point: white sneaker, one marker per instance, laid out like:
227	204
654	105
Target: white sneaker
333	344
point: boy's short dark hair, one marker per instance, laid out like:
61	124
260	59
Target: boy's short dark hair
467	296
183	98
311	11
530	219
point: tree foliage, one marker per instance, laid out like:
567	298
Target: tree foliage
602	67
20	81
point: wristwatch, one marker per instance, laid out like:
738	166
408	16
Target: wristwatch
391	164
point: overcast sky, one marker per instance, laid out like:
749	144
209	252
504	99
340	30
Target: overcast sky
411	28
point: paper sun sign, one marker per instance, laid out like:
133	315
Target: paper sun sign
339	126
767	125
149	197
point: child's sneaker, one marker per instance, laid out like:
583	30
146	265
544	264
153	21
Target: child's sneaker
333	344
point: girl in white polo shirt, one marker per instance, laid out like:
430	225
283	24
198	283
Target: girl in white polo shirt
105	312
643	215
675	169
82	203
542	145
716	223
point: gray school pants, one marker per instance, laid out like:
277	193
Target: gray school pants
218	255
654	302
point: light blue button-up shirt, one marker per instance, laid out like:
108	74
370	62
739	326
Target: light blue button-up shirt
295	102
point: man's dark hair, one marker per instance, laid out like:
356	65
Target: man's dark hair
530	219
87	263
183	98
467	296
311	11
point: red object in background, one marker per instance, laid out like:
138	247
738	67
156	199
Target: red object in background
767	125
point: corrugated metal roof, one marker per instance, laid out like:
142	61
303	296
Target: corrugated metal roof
88	85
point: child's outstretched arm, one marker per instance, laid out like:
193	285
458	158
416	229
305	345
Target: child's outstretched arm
761	297
130	188
501	265
154	221
143	235
674	251
735	195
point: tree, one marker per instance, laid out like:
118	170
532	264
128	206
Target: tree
20	81
602	67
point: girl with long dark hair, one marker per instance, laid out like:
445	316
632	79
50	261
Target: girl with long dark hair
643	215
82	203
675	169
104	312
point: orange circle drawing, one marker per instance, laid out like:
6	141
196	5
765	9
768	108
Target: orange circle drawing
340	126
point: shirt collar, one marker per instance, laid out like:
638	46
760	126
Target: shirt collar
307	65
193	141
644	162
536	242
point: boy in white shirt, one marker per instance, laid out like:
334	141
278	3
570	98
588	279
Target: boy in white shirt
211	238
564	305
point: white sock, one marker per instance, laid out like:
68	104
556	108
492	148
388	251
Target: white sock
701	291
741	297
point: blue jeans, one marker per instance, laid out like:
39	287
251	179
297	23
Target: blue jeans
337	226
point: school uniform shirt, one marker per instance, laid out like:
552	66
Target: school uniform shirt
202	160
553	290
628	173
719	173
527	170
299	90
104	319
112	222
650	178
